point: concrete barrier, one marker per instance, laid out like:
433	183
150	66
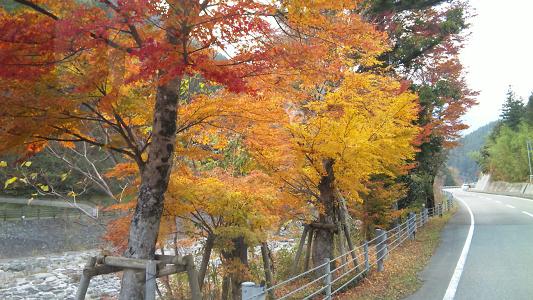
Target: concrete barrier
486	185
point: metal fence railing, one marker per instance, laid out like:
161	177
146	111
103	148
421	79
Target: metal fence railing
336	275
38	212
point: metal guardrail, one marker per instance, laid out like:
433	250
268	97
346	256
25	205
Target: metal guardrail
335	275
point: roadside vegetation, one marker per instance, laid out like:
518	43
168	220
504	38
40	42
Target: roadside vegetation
401	275
505	154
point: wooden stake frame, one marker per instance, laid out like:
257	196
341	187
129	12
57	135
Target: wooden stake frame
162	265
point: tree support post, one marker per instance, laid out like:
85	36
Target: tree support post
193	278
367	260
294	267
85	278
268	268
150	283
308	249
381	248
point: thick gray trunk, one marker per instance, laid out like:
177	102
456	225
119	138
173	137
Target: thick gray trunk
155	174
324	238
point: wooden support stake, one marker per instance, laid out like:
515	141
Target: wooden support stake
85	278
351	248
268	268
308	249
150	280
342	250
192	274
122	262
294	267
209	243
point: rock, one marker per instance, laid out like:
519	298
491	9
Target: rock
15	268
45	287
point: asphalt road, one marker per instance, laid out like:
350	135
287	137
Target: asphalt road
498	264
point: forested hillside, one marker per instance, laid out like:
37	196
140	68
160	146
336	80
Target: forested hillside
505	155
462	157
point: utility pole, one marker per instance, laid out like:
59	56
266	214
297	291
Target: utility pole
528	145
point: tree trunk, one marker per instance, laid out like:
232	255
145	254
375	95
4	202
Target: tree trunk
155	174
430	202
225	287
209	242
324	238
239	254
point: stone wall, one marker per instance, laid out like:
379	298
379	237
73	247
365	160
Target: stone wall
37	237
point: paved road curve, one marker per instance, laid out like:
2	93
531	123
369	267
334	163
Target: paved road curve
498	264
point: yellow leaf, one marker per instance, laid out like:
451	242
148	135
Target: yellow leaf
44	187
26	164
3	164
10	181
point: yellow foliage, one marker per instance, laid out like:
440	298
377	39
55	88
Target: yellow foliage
228	206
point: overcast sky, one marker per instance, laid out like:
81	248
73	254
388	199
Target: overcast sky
498	53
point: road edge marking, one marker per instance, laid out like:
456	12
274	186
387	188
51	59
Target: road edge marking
454	281
529	214
509	205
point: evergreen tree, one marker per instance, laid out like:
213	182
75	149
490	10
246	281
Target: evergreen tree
528	114
512	110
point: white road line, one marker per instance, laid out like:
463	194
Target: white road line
510	206
454	281
498	201
525	212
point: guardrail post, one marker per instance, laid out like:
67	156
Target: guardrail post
426	215
440	210
410	225
381	248
367	261
399	232
328	278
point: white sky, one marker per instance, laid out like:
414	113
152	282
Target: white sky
498	53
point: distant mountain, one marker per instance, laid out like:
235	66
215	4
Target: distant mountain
460	158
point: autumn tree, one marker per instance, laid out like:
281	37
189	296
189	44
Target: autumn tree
119	66
336	137
426	36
